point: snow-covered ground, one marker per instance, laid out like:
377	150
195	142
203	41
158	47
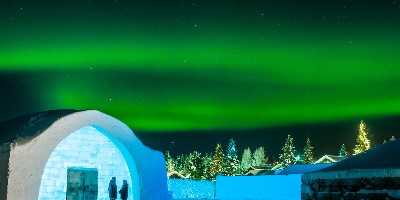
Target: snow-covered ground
191	189
275	187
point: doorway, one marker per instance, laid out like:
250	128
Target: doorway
82	183
87	147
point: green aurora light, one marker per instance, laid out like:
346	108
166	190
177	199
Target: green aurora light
221	80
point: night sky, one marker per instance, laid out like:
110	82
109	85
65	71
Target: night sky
185	74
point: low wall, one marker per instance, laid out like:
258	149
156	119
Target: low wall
275	187
191	189
352	184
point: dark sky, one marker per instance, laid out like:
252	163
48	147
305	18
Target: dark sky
187	74
326	137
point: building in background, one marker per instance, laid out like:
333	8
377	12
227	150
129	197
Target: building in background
374	174
329	159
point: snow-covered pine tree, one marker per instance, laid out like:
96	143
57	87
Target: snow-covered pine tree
217	161
196	165
308	154
207	163
192	165
178	163
287	157
342	150
170	163
182	164
246	162
362	142
259	158
231	164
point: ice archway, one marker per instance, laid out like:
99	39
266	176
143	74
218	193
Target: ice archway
32	158
87	147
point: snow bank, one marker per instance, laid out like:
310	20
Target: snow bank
302	168
191	189
276	187
382	156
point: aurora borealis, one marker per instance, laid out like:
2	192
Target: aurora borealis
186	65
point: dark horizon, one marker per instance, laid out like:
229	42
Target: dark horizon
326	137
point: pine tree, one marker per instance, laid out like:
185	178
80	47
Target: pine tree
217	161
362	142
287	157
231	150
259	158
246	162
308	154
231	164
185	164
196	167
343	151
170	163
179	163
207	163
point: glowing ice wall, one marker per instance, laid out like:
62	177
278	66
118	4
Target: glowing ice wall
86	147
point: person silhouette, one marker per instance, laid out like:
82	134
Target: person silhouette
112	189
123	193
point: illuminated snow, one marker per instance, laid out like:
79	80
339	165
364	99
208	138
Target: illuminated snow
89	148
191	189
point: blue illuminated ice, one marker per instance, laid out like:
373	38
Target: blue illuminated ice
90	148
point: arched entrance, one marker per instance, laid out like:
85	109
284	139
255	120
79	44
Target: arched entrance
85	148
29	157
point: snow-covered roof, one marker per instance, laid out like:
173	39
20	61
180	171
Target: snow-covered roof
256	172
380	157
278	166
175	174
329	159
29	125
302	168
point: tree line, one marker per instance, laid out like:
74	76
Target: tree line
225	160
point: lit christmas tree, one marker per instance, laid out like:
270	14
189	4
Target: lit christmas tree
308	154
343	151
231	164
287	157
246	162
259	158
217	162
363	142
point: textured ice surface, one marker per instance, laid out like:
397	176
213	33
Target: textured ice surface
191	189
86	147
275	187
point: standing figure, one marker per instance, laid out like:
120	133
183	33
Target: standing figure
112	189
124	190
